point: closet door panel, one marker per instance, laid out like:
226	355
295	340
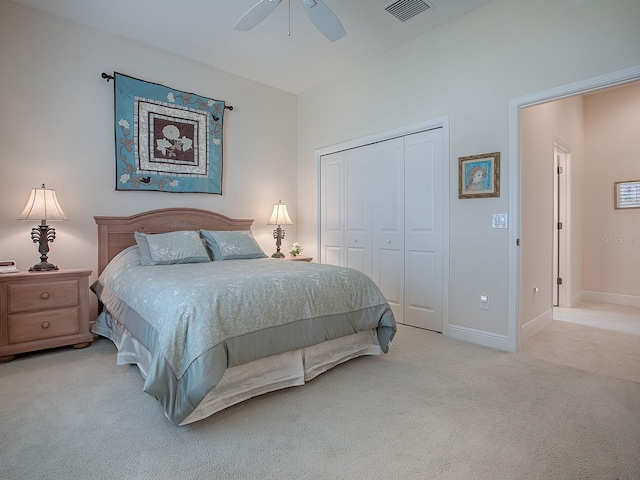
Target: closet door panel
358	258
332	209
332	255
423	230
390	279
357	238
419	291
388	182
387	200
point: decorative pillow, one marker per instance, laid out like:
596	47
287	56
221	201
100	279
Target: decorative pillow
168	248
232	245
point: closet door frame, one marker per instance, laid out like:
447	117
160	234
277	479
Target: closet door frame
440	122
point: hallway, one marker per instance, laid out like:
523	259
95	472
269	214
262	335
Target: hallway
599	337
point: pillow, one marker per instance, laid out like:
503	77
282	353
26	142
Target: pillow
169	248
232	245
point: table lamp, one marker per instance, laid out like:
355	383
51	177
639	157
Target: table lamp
279	217
43	205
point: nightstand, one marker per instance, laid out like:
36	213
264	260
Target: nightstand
40	310
297	258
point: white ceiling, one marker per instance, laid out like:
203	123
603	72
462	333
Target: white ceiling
202	30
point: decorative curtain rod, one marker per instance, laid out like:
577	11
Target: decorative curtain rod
108	77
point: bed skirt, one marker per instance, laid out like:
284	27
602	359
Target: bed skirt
242	382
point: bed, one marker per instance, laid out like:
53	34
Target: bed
209	330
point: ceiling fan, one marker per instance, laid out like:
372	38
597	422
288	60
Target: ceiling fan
321	16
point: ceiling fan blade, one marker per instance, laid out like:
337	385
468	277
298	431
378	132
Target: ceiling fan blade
256	14
324	19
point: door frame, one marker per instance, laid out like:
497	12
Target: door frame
515	105
562	208
439	122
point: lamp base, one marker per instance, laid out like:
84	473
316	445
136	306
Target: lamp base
278	255
43	267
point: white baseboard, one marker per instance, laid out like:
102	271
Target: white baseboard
532	326
615	298
575	300
479	337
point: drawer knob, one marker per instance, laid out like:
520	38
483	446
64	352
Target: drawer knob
44	296
45	324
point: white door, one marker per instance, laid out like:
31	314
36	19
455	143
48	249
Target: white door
386	173
332	209
424	230
561	264
357	207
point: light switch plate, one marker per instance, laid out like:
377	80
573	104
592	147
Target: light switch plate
484	302
499	220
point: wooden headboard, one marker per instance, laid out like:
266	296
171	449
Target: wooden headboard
116	233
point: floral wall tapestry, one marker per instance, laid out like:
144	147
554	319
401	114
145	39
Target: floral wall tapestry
166	140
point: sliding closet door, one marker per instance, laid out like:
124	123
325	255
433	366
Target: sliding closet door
332	185
423	289
386	173
381	213
357	208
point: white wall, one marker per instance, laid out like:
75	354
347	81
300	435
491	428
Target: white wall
612	149
469	70
56	127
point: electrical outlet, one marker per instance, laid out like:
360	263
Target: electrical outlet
535	292
484	302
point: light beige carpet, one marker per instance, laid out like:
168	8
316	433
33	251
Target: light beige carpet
598	337
434	408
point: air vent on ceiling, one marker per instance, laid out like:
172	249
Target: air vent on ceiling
403	10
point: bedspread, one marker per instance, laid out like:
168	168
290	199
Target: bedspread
198	319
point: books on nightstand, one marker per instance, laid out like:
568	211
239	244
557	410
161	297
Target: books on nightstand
8	266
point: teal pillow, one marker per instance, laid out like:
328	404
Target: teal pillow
184	246
232	245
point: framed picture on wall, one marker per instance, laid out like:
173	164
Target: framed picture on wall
627	194
479	176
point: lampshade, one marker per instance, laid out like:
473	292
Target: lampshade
280	216
43	205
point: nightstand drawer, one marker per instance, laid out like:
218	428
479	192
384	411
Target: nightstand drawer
29	297
36	326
